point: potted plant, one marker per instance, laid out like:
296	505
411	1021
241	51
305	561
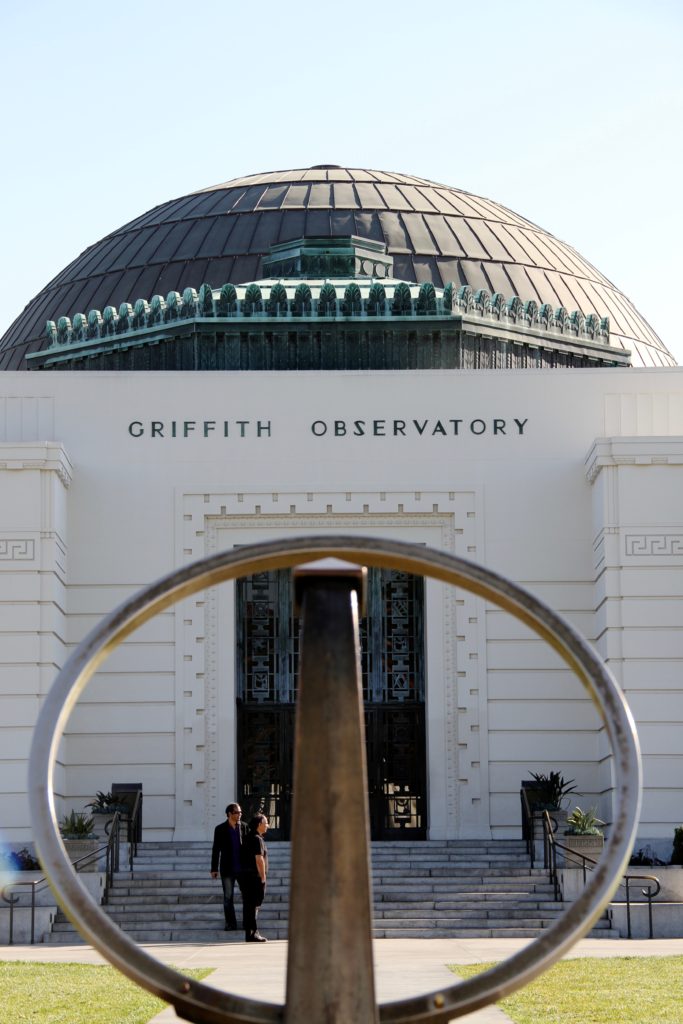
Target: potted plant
18	860
103	809
583	835
548	792
77	832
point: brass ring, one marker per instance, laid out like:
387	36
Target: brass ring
206	1004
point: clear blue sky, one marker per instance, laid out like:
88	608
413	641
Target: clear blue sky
570	113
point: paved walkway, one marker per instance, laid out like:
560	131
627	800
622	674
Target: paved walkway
403	967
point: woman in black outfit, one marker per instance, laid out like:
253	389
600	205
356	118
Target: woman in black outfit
254	872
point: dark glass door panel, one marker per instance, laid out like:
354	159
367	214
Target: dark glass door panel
265	743
392	662
395	740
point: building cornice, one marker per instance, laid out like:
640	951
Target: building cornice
47	457
633	451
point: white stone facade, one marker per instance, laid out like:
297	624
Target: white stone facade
570	482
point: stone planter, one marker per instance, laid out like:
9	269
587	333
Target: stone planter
587	846
558	816
77	848
101	819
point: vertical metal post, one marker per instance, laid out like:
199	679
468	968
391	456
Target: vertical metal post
330	976
628	909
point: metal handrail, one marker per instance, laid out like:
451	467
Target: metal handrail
587	864
528	826
111	850
529	818
134	821
113	829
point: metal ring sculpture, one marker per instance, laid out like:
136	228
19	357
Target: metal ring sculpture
202	1003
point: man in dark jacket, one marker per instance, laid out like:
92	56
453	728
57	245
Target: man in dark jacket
226	859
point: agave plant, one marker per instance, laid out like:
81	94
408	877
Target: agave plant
76	826
584	823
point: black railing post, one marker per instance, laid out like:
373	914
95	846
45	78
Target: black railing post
528	827
628	907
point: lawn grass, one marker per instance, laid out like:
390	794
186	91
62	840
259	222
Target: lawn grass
35	993
618	990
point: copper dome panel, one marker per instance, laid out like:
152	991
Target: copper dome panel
435	233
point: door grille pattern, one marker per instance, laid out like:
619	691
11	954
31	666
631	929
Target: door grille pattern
392	663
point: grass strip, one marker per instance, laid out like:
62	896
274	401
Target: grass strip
627	990
34	993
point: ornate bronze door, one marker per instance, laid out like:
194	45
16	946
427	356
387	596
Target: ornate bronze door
392	658
394	739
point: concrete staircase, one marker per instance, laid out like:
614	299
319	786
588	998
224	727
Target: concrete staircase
435	889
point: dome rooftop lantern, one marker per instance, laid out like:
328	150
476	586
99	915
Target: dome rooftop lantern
343	256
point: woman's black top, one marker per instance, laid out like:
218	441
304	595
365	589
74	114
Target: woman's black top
253	847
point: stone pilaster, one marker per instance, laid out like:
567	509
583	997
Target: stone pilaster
638	565
34	478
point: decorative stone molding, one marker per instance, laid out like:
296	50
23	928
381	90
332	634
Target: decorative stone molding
654	544
633	451
47	457
17	549
207	520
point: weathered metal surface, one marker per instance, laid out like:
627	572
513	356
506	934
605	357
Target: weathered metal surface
392	669
434	233
329	963
424	343
198	1002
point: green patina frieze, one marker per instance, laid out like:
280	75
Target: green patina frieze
315	318
292	300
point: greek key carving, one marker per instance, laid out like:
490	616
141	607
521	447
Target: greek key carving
17	550
654	544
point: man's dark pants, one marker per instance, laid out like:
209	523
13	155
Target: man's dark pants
228	883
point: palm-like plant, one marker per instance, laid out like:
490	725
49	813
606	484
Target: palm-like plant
551	789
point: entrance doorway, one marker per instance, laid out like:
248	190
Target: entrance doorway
392	662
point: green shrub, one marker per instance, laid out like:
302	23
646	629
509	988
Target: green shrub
106	803
76	826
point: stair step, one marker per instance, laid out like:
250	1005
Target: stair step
441	888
